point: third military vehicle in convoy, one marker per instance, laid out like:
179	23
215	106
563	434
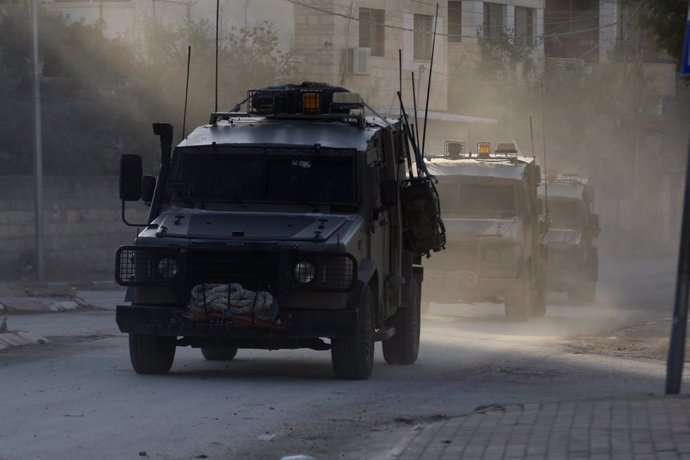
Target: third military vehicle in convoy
573	256
293	224
494	227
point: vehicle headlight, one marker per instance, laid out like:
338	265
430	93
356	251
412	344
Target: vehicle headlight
305	272
168	268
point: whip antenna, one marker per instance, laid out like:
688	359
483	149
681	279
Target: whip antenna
217	27
400	72
531	135
428	90
186	92
543	137
414	103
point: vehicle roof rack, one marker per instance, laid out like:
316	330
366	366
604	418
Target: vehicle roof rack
310	101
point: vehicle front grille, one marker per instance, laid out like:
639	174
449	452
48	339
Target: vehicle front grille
562	258
253	270
464	255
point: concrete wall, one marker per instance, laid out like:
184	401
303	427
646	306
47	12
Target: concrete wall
82	227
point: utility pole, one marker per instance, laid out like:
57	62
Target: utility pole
38	147
676	351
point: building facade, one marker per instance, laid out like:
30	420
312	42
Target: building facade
366	45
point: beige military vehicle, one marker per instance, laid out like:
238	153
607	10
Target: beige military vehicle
571	240
494	228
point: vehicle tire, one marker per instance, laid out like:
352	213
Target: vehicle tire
538	306
353	357
219	353
425	307
584	293
151	354
403	347
518	306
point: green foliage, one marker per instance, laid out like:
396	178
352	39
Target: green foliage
100	96
664	20
591	113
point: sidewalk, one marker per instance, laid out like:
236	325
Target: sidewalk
645	428
30	298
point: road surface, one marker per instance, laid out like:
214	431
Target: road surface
78	398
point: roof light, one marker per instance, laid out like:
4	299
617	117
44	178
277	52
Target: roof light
347	98
311	102
454	149
507	149
483	149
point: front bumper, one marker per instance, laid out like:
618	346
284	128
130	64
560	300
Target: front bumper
467	287
292	324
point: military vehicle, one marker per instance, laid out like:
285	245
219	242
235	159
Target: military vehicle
291	225
494	226
573	257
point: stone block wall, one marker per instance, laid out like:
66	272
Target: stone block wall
82	227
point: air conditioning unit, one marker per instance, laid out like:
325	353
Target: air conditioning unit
358	61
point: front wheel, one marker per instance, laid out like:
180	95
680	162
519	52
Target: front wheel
518	305
403	347
151	354
538	307
353	357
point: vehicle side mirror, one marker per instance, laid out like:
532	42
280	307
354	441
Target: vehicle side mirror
596	228
130	177
544	225
148	186
389	193
540	206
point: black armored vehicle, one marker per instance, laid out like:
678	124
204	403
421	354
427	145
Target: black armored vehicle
283	226
494	224
573	259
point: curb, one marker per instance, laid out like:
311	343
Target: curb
40	304
20	339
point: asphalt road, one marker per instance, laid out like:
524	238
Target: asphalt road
78	398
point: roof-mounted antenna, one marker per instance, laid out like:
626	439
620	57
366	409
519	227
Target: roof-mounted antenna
531	135
186	93
543	137
400	73
414	102
428	89
217	28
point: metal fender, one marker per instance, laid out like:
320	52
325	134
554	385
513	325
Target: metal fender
366	270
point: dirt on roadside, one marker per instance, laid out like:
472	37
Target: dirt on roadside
648	340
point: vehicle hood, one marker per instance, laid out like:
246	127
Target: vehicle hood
562	236
463	229
257	226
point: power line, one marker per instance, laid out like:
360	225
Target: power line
407	29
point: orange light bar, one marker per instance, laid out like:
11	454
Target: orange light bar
311	102
483	149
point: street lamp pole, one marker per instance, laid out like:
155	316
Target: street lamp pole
38	147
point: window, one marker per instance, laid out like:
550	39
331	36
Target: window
454	22
423	36
524	26
371	30
493	20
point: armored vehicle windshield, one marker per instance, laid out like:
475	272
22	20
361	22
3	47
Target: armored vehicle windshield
263	175
565	213
480	198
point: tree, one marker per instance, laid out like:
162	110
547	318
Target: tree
664	20
100	95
